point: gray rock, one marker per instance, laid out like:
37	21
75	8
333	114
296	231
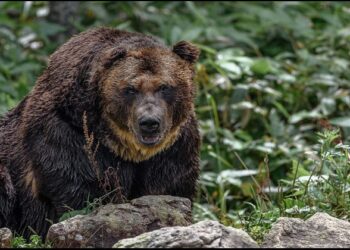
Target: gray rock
108	224
204	234
319	231
5	237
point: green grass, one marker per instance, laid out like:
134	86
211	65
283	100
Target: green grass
35	241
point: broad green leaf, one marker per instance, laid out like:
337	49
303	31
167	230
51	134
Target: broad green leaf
304	115
341	121
261	67
231	67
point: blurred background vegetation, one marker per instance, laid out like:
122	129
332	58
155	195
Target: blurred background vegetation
271	77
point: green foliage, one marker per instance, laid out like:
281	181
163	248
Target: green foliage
326	187
301	194
71	213
34	242
271	75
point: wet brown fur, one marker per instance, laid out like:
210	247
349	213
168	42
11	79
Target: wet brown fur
155	68
131	150
30	182
43	165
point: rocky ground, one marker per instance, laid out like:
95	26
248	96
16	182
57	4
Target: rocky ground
165	222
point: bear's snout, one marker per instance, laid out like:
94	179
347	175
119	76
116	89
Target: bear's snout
149	125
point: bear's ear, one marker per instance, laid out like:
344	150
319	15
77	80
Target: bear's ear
112	55
186	51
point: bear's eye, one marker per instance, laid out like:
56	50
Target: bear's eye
130	90
164	88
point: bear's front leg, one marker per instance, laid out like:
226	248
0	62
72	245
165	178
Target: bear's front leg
57	177
34	215
7	197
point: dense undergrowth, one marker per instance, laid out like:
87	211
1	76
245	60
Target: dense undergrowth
273	96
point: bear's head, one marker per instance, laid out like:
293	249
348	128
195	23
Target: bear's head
135	91
147	94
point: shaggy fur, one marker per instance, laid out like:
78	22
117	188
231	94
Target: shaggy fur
61	142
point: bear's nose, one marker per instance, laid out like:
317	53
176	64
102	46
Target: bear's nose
149	125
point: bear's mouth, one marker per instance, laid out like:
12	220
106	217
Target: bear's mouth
150	139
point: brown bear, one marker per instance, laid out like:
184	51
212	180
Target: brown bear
110	103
